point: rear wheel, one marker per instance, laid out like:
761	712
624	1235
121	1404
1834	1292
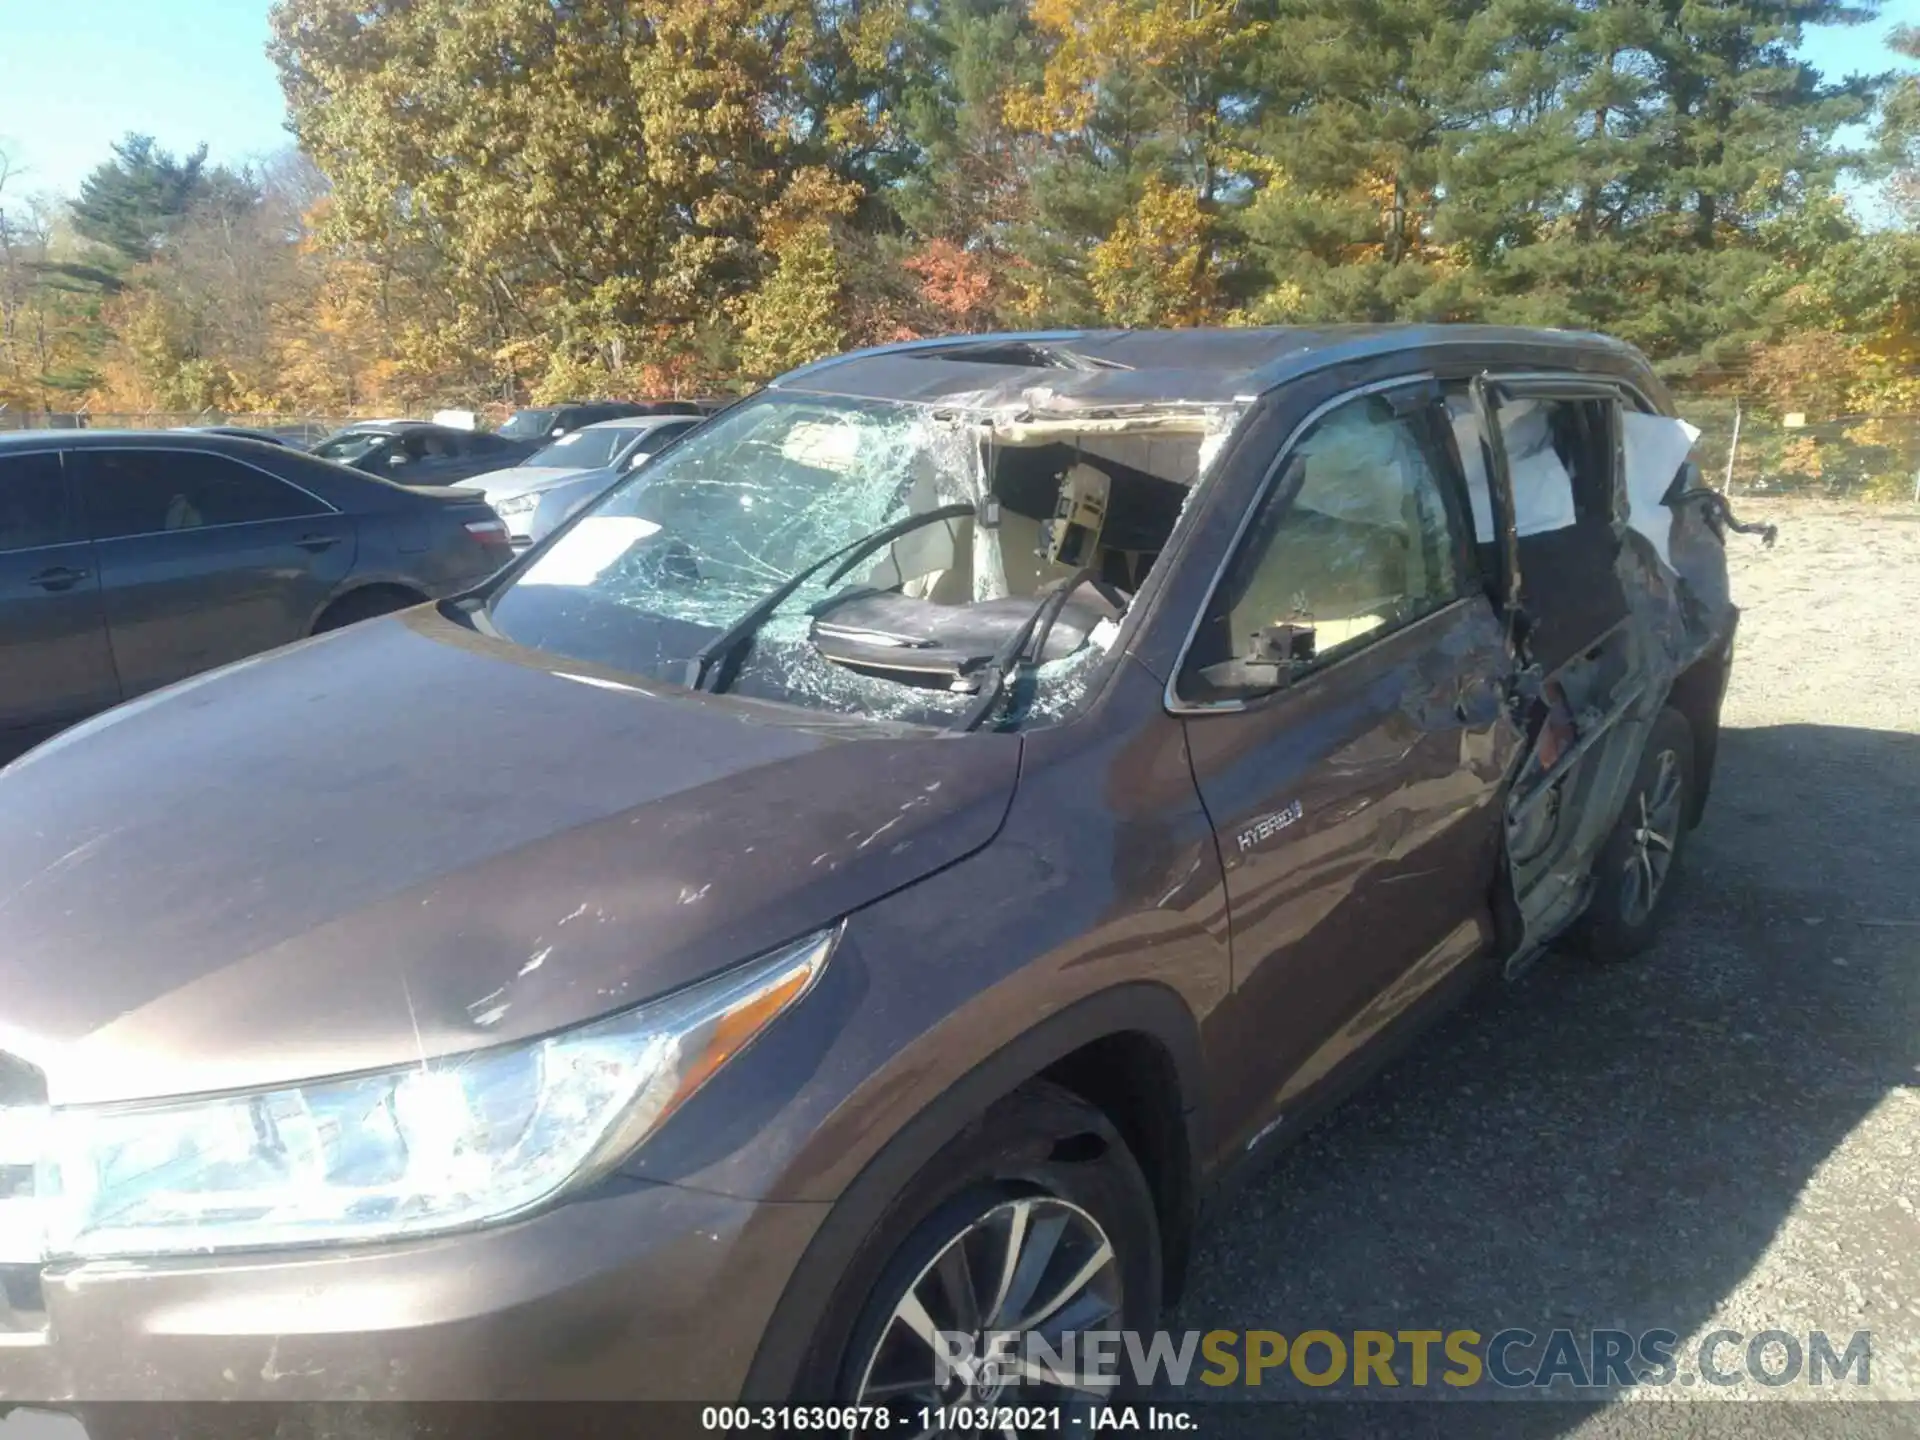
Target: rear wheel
1034	1224
1633	877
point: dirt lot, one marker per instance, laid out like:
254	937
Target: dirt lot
1725	1135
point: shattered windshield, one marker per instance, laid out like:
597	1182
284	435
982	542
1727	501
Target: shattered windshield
681	550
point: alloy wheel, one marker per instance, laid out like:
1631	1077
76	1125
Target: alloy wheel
1656	831
1040	1267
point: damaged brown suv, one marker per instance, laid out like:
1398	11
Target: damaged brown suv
859	884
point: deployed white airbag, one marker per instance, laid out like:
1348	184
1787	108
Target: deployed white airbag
1656	447
1542	488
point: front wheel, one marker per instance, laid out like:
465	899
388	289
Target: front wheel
1034	1230
1633	877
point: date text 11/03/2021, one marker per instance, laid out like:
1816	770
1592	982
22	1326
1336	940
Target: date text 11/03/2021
935	1419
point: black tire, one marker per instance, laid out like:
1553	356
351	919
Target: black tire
1044	1152
1620	922
366	604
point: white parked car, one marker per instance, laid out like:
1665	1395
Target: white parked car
574	469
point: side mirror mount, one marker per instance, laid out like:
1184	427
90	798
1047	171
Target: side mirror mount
638	458
1276	655
1281	651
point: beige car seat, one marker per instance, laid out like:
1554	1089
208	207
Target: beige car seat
955	562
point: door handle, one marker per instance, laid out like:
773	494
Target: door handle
60	577
317	543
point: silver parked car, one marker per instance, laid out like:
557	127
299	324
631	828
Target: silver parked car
573	470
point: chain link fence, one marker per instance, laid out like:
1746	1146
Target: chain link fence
1873	458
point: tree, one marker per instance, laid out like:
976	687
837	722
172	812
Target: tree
1900	131
1359	111
971	182
50	333
492	154
583	177
504	198
1694	127
1136	99
1154	269
332	352
795	316
132	203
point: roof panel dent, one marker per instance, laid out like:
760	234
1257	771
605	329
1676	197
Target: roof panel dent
1064	371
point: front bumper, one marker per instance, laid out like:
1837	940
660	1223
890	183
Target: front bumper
638	1292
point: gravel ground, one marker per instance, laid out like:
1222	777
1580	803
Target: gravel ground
1725	1135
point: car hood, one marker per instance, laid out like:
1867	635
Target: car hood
520	480
405	840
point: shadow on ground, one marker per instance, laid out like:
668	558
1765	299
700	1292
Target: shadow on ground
1597	1147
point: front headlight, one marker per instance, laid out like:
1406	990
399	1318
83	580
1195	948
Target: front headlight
517	507
437	1146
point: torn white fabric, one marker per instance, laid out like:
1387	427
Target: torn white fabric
1542	488
1656	447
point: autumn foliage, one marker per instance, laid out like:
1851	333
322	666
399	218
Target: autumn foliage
497	200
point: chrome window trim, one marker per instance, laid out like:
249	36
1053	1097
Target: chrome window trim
1577	378
326	509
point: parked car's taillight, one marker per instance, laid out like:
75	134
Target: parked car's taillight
490	533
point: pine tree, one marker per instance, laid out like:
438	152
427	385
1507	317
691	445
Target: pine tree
1683	131
1360	108
131	203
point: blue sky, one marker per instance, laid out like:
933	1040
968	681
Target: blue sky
75	75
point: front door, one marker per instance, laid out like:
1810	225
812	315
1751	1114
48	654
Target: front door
203	559
1343	702
55	665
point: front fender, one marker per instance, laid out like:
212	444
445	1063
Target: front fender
807	1306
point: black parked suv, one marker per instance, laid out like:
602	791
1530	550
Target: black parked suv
418	452
545	422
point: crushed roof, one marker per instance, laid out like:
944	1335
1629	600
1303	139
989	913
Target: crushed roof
1094	368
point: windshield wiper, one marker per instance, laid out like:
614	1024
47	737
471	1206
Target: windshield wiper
1022	648
710	659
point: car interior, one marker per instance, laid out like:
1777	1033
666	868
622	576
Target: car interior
1586	664
1077	516
1561	460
